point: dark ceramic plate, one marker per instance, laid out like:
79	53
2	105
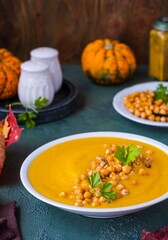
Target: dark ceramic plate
63	104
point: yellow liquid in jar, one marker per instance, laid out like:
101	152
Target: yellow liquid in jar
158	58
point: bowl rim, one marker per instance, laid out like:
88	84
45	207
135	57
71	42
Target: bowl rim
124	135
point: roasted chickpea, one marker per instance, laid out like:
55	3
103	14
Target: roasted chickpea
142	172
144	105
87	194
126	169
124	192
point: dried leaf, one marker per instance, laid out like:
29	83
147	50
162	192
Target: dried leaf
2	151
14	130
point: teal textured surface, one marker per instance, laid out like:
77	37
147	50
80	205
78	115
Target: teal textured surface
94	112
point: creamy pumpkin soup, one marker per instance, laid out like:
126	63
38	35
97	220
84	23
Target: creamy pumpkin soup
100	172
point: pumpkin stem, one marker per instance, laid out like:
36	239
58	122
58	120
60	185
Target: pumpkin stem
108	46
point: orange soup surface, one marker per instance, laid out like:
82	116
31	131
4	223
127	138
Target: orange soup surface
55	171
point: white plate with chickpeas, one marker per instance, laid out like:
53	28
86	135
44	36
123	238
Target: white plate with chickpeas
98	174
140	104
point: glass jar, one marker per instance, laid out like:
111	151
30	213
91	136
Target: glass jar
158	50
34	82
49	56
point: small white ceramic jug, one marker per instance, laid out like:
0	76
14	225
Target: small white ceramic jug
35	81
49	56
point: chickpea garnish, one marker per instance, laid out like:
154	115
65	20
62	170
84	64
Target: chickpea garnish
124	192
142	172
108	176
126	169
146	104
63	194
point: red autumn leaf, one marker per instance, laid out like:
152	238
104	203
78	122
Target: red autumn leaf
9	133
11	128
2	151
161	234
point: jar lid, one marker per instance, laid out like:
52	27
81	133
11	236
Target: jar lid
44	52
30	66
161	23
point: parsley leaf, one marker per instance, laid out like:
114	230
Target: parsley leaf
41	103
30	114
109	195
161	92
28	117
121	153
132	153
106	187
106	191
94	180
127	155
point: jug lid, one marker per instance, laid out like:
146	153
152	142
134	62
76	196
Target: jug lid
44	52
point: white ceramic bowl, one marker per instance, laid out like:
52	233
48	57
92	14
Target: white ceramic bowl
91	212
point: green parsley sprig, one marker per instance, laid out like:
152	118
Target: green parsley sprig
94	180
127	155
161	92
30	114
106	190
41	103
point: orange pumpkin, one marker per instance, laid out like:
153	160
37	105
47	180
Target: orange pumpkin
9	74
108	61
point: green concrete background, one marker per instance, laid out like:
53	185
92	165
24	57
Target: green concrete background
94	112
